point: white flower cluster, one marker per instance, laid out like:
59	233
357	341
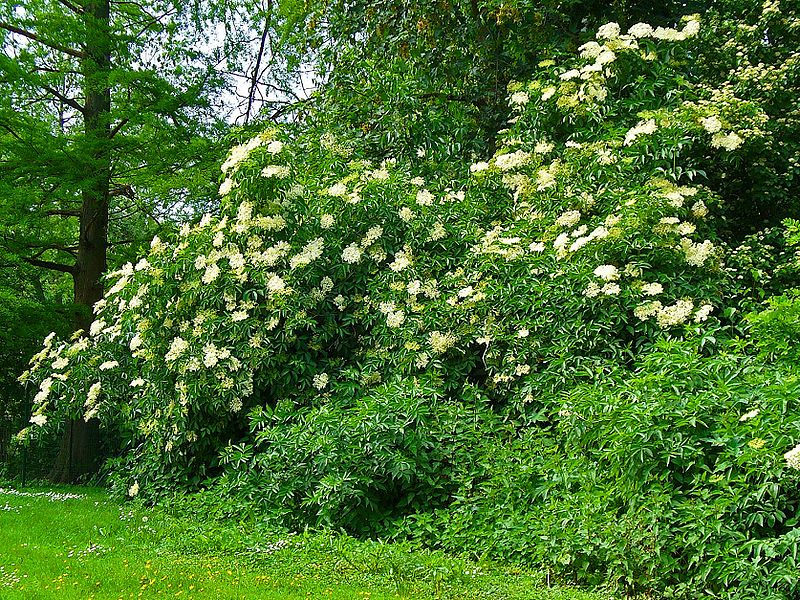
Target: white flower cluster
176	349
519	99
275	171
641	128
694	253
240	153
441	342
568	218
793	457
512	160
729	141
321	381
310	252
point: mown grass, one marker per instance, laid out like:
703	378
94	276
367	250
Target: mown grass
54	546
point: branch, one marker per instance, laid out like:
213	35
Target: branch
53	266
36	38
65	99
76	9
117	128
63	213
254	80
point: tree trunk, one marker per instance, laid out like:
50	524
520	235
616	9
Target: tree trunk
80	448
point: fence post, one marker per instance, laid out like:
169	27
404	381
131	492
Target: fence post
24	464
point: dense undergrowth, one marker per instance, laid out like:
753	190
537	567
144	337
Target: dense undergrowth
557	355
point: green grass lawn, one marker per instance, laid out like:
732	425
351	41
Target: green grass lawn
55	545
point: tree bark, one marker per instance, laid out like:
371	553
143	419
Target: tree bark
79	454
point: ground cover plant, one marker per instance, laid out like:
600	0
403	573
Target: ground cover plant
74	542
557	354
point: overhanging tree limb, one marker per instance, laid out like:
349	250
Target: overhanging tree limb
71	102
36	38
53	266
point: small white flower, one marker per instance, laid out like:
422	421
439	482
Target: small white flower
607	272
133	491
749	415
609	31
320	381
352	254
